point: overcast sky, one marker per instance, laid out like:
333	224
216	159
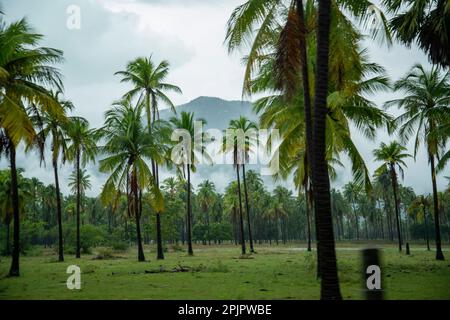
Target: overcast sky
188	33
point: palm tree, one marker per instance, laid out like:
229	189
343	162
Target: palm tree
85	184
36	187
231	205
421	204
128	146
187	156
54	126
278	211
426	108
238	140
206	197
24	71
392	156
352	193
82	149
383	189
149	85
248	129
425	22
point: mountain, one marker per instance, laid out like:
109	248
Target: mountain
217	112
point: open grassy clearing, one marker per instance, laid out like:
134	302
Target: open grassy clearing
218	272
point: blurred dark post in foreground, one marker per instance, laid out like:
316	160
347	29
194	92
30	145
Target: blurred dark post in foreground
371	272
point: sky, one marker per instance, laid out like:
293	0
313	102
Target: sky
187	33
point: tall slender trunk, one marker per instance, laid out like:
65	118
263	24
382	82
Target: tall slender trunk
58	212
14	270
427	237
189	211
388	217
160	255
159	237
78	250
159	244
137	215
308	218
247	209
241	220
397	214
330	289
355	213
208	226
437	229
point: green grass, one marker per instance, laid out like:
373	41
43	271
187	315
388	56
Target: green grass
218	272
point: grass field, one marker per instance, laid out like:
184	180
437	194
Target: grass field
218	272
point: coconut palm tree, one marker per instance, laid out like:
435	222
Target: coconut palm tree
249	130
421	205
352	193
128	145
238	140
206	196
25	72
425	22
231	207
425	106
392	156
81	149
187	155
148	80
36	189
85	184
54	126
383	189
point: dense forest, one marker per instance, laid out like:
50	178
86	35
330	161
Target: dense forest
275	217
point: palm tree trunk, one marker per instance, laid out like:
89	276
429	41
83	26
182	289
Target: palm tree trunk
308	218
189	211
397	214
330	289
247	207
14	270
134	187
437	229
159	237
78	250
241	220
58	212
388	217
426	230
356	221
